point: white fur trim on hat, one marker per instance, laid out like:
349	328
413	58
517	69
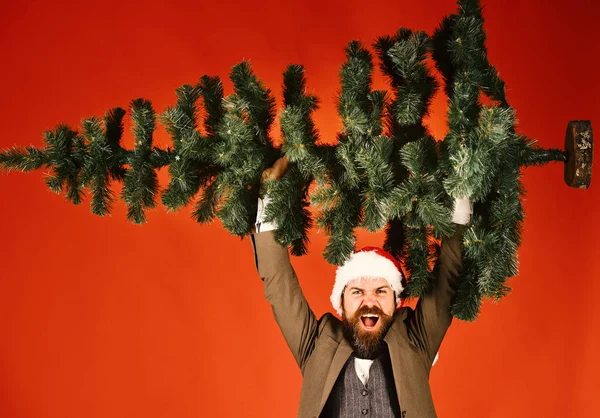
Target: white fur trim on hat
367	265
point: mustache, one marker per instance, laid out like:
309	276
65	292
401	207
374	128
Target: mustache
365	310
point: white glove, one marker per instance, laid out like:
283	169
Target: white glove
463	208
260	224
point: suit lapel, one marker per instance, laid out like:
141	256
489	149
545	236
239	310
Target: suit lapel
340	357
395	341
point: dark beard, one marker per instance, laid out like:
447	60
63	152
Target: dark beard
366	344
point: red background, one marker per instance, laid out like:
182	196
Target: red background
101	318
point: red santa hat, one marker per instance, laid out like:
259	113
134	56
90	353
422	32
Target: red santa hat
367	263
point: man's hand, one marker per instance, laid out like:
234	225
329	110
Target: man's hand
463	209
273	173
277	171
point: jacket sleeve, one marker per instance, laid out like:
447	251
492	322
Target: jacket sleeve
282	290
429	322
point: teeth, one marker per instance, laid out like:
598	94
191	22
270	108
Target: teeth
370	316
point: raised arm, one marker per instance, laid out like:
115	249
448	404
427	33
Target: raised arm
282	290
430	320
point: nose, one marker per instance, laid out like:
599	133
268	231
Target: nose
370	300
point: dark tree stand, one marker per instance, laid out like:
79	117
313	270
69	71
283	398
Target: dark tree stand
579	151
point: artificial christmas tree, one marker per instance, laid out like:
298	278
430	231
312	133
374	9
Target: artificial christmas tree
386	170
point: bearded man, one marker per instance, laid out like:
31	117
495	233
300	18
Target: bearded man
375	361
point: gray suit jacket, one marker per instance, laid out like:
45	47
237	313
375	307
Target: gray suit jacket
320	349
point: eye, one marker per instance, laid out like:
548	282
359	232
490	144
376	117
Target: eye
356	292
383	291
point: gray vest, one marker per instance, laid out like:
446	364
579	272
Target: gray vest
349	398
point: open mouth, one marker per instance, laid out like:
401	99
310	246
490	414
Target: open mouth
369	320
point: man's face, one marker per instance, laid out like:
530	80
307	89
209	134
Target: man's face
368	309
